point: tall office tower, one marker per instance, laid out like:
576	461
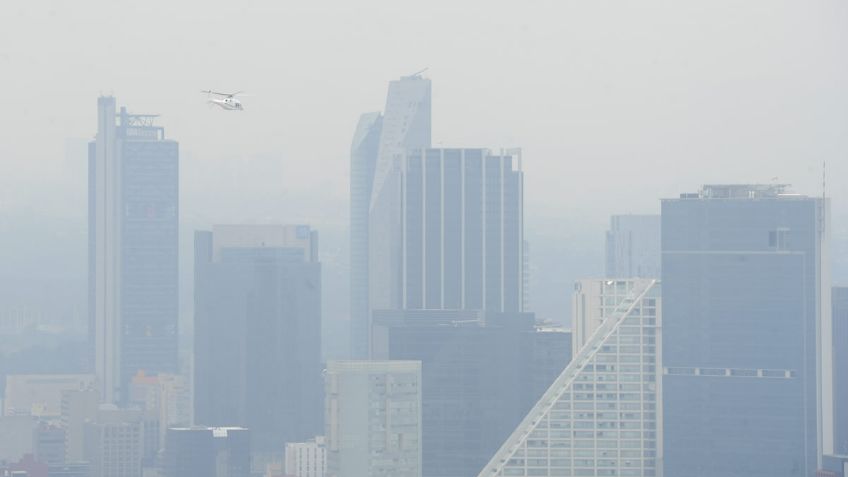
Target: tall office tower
133	212
363	159
114	443
257	356
633	246
840	370
481	373
306	459
746	332
207	452
373	418
601	416
462	230
405	125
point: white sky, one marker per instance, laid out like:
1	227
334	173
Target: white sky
615	103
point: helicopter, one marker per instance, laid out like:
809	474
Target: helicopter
226	101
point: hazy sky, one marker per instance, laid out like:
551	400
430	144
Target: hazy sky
615	103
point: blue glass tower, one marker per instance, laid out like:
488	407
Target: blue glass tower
744	278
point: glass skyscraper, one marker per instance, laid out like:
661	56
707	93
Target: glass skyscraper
363	159
133	209
746	332
257	330
462	223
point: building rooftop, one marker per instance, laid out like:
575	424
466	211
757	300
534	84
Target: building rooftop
742	191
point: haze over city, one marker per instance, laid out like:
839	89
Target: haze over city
614	106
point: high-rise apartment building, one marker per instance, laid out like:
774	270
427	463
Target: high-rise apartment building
746	336
602	414
207	452
373	418
114	443
363	160
633	246
306	459
258	332
133	206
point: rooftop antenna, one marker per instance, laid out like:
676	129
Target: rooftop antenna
418	73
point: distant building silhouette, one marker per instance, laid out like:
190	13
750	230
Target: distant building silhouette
746	293
207	452
133	209
633	246
257	331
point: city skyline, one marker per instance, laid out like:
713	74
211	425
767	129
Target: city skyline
445	239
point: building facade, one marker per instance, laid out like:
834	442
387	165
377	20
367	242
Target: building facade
373	418
746	332
481	373
602	414
633	246
258	332
133	208
306	459
114	443
363	160
462	230
840	370
406	124
41	394
207	451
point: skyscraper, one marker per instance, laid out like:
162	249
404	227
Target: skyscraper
373	418
405	125
363	159
601	416
633	246
258	332
746	332
840	370
462	244
478	379
133	284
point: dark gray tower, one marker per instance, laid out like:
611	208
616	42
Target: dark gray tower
257	344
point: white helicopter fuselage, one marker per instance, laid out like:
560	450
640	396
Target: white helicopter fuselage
230	104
